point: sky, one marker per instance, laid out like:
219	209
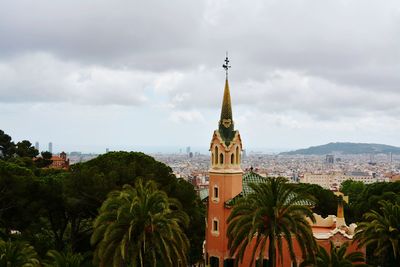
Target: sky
146	75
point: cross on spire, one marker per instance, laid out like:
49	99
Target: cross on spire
226	66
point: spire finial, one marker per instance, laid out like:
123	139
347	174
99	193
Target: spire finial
226	66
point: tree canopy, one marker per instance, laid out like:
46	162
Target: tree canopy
55	209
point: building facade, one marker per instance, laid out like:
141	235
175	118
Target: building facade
227	182
59	162
333	180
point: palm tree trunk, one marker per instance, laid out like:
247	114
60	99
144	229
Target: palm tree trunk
272	251
141	258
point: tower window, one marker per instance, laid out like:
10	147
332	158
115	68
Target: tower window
221	158
214	261
232	158
237	155
216	154
216	193
215	225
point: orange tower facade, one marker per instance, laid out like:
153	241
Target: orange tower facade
228	182
225	181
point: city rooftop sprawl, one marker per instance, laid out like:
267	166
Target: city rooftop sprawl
328	170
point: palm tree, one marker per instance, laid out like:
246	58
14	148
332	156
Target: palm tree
140	226
17	254
273	212
381	230
61	259
337	257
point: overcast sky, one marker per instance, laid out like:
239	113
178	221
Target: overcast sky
137	75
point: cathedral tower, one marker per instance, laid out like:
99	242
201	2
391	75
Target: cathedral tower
225	180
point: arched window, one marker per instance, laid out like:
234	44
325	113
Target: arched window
232	158
221	158
212	158
214	261
216	154
215	225
237	155
216	192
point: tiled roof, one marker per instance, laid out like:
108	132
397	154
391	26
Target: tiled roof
203	193
56	158
248	177
252	177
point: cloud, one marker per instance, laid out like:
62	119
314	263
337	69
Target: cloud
41	77
186	116
283	92
296	65
135	33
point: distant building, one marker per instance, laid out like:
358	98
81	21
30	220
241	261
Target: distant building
372	159
51	147
321	179
333	180
329	159
188	150
244	155
59	162
37	146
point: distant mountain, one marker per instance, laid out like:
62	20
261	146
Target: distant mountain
345	148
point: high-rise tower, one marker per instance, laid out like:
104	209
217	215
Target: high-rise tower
225	176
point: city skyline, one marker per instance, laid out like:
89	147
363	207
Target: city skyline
90	76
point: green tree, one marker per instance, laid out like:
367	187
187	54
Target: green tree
381	230
369	199
46	154
325	200
25	149
140	226
7	147
274	212
337	257
353	189
88	184
44	160
17	254
53	206
55	258
192	205
17	196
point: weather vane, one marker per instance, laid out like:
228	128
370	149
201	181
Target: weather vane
226	66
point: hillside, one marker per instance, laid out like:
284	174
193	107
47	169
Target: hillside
345	148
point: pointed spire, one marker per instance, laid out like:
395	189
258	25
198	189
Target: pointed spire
226	127
226	111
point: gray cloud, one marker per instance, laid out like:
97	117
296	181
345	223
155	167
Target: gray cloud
326	60
41	77
119	33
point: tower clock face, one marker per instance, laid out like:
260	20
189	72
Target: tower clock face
227	122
